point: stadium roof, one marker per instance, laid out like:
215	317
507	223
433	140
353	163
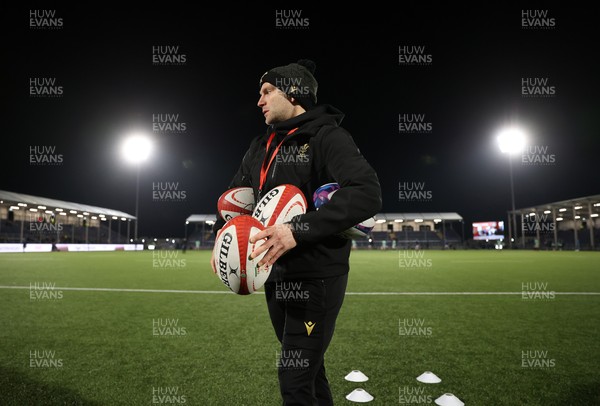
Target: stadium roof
423	216
586	206
13	199
199	218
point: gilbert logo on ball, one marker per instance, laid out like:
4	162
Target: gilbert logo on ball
280	205
232	256
236	201
324	194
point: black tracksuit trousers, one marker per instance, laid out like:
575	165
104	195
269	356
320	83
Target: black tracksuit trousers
303	314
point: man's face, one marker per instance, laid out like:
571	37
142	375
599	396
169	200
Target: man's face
275	105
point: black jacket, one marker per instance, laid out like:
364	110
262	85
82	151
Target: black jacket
318	152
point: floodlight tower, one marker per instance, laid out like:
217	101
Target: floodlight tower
511	141
137	148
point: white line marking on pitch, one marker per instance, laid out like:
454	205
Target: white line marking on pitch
463	293
123	290
217	292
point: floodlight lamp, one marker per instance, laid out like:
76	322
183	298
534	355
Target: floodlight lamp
511	140
136	148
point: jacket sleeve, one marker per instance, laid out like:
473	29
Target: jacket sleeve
358	198
241	178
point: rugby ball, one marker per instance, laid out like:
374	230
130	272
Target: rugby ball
232	251
236	201
360	230
280	205
323	195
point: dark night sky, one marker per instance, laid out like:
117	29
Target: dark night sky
103	59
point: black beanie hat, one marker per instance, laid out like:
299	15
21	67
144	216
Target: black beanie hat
295	79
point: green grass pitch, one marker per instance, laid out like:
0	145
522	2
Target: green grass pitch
521	342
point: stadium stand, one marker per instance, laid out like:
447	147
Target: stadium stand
26	218
391	231
568	224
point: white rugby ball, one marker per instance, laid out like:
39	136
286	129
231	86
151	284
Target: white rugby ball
236	201
280	205
232	251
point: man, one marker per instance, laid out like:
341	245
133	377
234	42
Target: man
305	146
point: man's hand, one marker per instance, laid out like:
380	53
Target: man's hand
279	240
